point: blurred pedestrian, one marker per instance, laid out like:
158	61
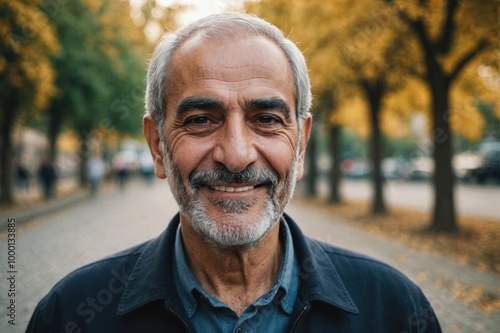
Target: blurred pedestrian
147	167
22	176
96	168
121	171
47	175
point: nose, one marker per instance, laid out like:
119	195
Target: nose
235	147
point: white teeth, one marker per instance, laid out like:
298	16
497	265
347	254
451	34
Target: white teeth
232	189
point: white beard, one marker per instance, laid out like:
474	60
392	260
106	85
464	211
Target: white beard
235	230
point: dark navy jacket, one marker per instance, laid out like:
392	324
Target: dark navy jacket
133	291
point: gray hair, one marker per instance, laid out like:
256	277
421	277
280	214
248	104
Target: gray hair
222	26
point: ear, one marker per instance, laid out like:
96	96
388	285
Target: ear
304	135
150	131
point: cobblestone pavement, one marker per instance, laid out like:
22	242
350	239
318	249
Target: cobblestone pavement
50	247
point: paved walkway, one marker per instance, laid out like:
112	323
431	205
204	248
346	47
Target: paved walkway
426	270
470	199
49	249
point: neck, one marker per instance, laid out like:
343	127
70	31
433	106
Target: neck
236	276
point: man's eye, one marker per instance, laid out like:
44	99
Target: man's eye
266	119
201	124
198	120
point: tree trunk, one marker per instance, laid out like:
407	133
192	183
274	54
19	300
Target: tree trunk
375	92
9	111
444	219
435	48
335	175
312	167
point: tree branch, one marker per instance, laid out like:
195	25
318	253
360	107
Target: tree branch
443	44
417	26
466	58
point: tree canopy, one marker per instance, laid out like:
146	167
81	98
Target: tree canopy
27	40
27	75
81	64
436	57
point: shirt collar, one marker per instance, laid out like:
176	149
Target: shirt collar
184	279
289	274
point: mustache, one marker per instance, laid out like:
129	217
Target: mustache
252	175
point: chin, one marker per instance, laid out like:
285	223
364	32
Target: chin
234	230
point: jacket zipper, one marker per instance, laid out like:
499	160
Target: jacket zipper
298	318
186	327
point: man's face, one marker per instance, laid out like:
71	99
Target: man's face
231	147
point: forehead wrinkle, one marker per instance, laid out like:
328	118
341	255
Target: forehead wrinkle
220	72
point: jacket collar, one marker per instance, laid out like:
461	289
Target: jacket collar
318	275
151	278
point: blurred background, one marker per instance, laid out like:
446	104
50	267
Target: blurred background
406	137
403	91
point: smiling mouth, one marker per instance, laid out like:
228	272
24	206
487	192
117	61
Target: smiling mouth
232	189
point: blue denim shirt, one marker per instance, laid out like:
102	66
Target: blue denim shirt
269	313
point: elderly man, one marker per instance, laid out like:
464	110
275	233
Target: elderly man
227	123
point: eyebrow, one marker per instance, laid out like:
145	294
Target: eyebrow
272	103
206	103
198	103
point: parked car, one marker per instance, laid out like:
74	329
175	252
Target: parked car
422	168
396	168
489	167
463	164
355	168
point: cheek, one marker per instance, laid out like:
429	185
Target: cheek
280	155
189	154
